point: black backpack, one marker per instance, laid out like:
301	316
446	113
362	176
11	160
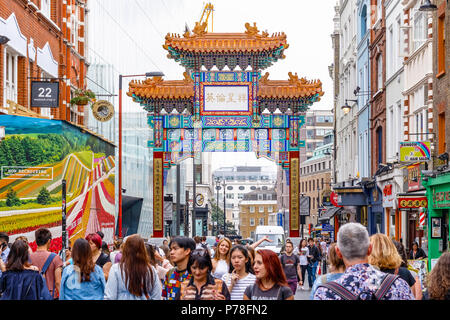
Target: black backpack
345	294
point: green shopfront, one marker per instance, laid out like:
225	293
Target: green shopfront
438	195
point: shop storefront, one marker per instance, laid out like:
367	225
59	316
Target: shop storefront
438	195
354	205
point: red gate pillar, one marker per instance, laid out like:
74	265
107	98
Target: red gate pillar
158	194
294	194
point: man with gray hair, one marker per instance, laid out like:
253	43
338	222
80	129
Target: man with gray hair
361	281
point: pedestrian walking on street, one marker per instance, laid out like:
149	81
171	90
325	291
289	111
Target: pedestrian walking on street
82	280
291	266
221	260
337	269
117	245
303	257
241	273
324	250
361	281
161	265
134	278
313	261
385	256
180	254
417	289
416	252
438	280
202	285
20	279
49	263
271	283
99	257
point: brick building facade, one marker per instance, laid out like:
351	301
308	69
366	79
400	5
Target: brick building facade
378	78
46	41
441	69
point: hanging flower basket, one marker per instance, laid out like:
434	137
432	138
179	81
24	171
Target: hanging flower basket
82	97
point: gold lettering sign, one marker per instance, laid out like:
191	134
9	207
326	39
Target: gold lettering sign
157	194
294	191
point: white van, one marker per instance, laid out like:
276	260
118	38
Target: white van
274	233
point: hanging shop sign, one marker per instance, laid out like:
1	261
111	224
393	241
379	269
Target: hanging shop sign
334	198
414	178
412	202
415	151
44	94
103	110
388	196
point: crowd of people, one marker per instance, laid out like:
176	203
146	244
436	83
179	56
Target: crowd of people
360	267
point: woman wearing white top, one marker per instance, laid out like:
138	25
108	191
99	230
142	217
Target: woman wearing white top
240	276
303	253
221	260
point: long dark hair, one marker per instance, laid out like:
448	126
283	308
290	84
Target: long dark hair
151	253
248	265
402	252
18	256
135	264
82	257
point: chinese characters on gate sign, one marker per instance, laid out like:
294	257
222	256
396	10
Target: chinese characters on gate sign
226	98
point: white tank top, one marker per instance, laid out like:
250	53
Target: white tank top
221	269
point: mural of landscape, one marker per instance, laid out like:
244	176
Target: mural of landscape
35	156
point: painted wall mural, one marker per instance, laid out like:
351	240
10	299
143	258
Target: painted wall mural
35	156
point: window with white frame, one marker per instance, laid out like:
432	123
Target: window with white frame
419	29
11	76
261	221
75	27
261	209
390	58
380	72
46	7
252	222
252	209
270	208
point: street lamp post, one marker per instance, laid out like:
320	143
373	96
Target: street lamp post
217	204
148	74
224	211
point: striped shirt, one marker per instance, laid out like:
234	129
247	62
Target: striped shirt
239	288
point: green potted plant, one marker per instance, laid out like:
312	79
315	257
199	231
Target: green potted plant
82	97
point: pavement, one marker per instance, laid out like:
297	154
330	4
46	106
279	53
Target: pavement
302	294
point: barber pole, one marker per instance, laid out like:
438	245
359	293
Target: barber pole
421	217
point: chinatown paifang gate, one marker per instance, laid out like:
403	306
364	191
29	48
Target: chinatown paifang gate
234	110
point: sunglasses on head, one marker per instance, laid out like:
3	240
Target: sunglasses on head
199	252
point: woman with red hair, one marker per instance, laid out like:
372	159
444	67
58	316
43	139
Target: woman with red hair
101	259
271	283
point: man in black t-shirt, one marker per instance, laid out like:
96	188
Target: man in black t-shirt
291	266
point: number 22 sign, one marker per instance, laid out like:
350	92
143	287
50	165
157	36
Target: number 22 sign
44	94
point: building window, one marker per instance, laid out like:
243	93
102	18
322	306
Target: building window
379	72
441	133
11	76
269	209
260	196
252	222
252	188
261	221
45	7
261	209
419	29
441	44
230	188
380	145
252	209
363	21
241	187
